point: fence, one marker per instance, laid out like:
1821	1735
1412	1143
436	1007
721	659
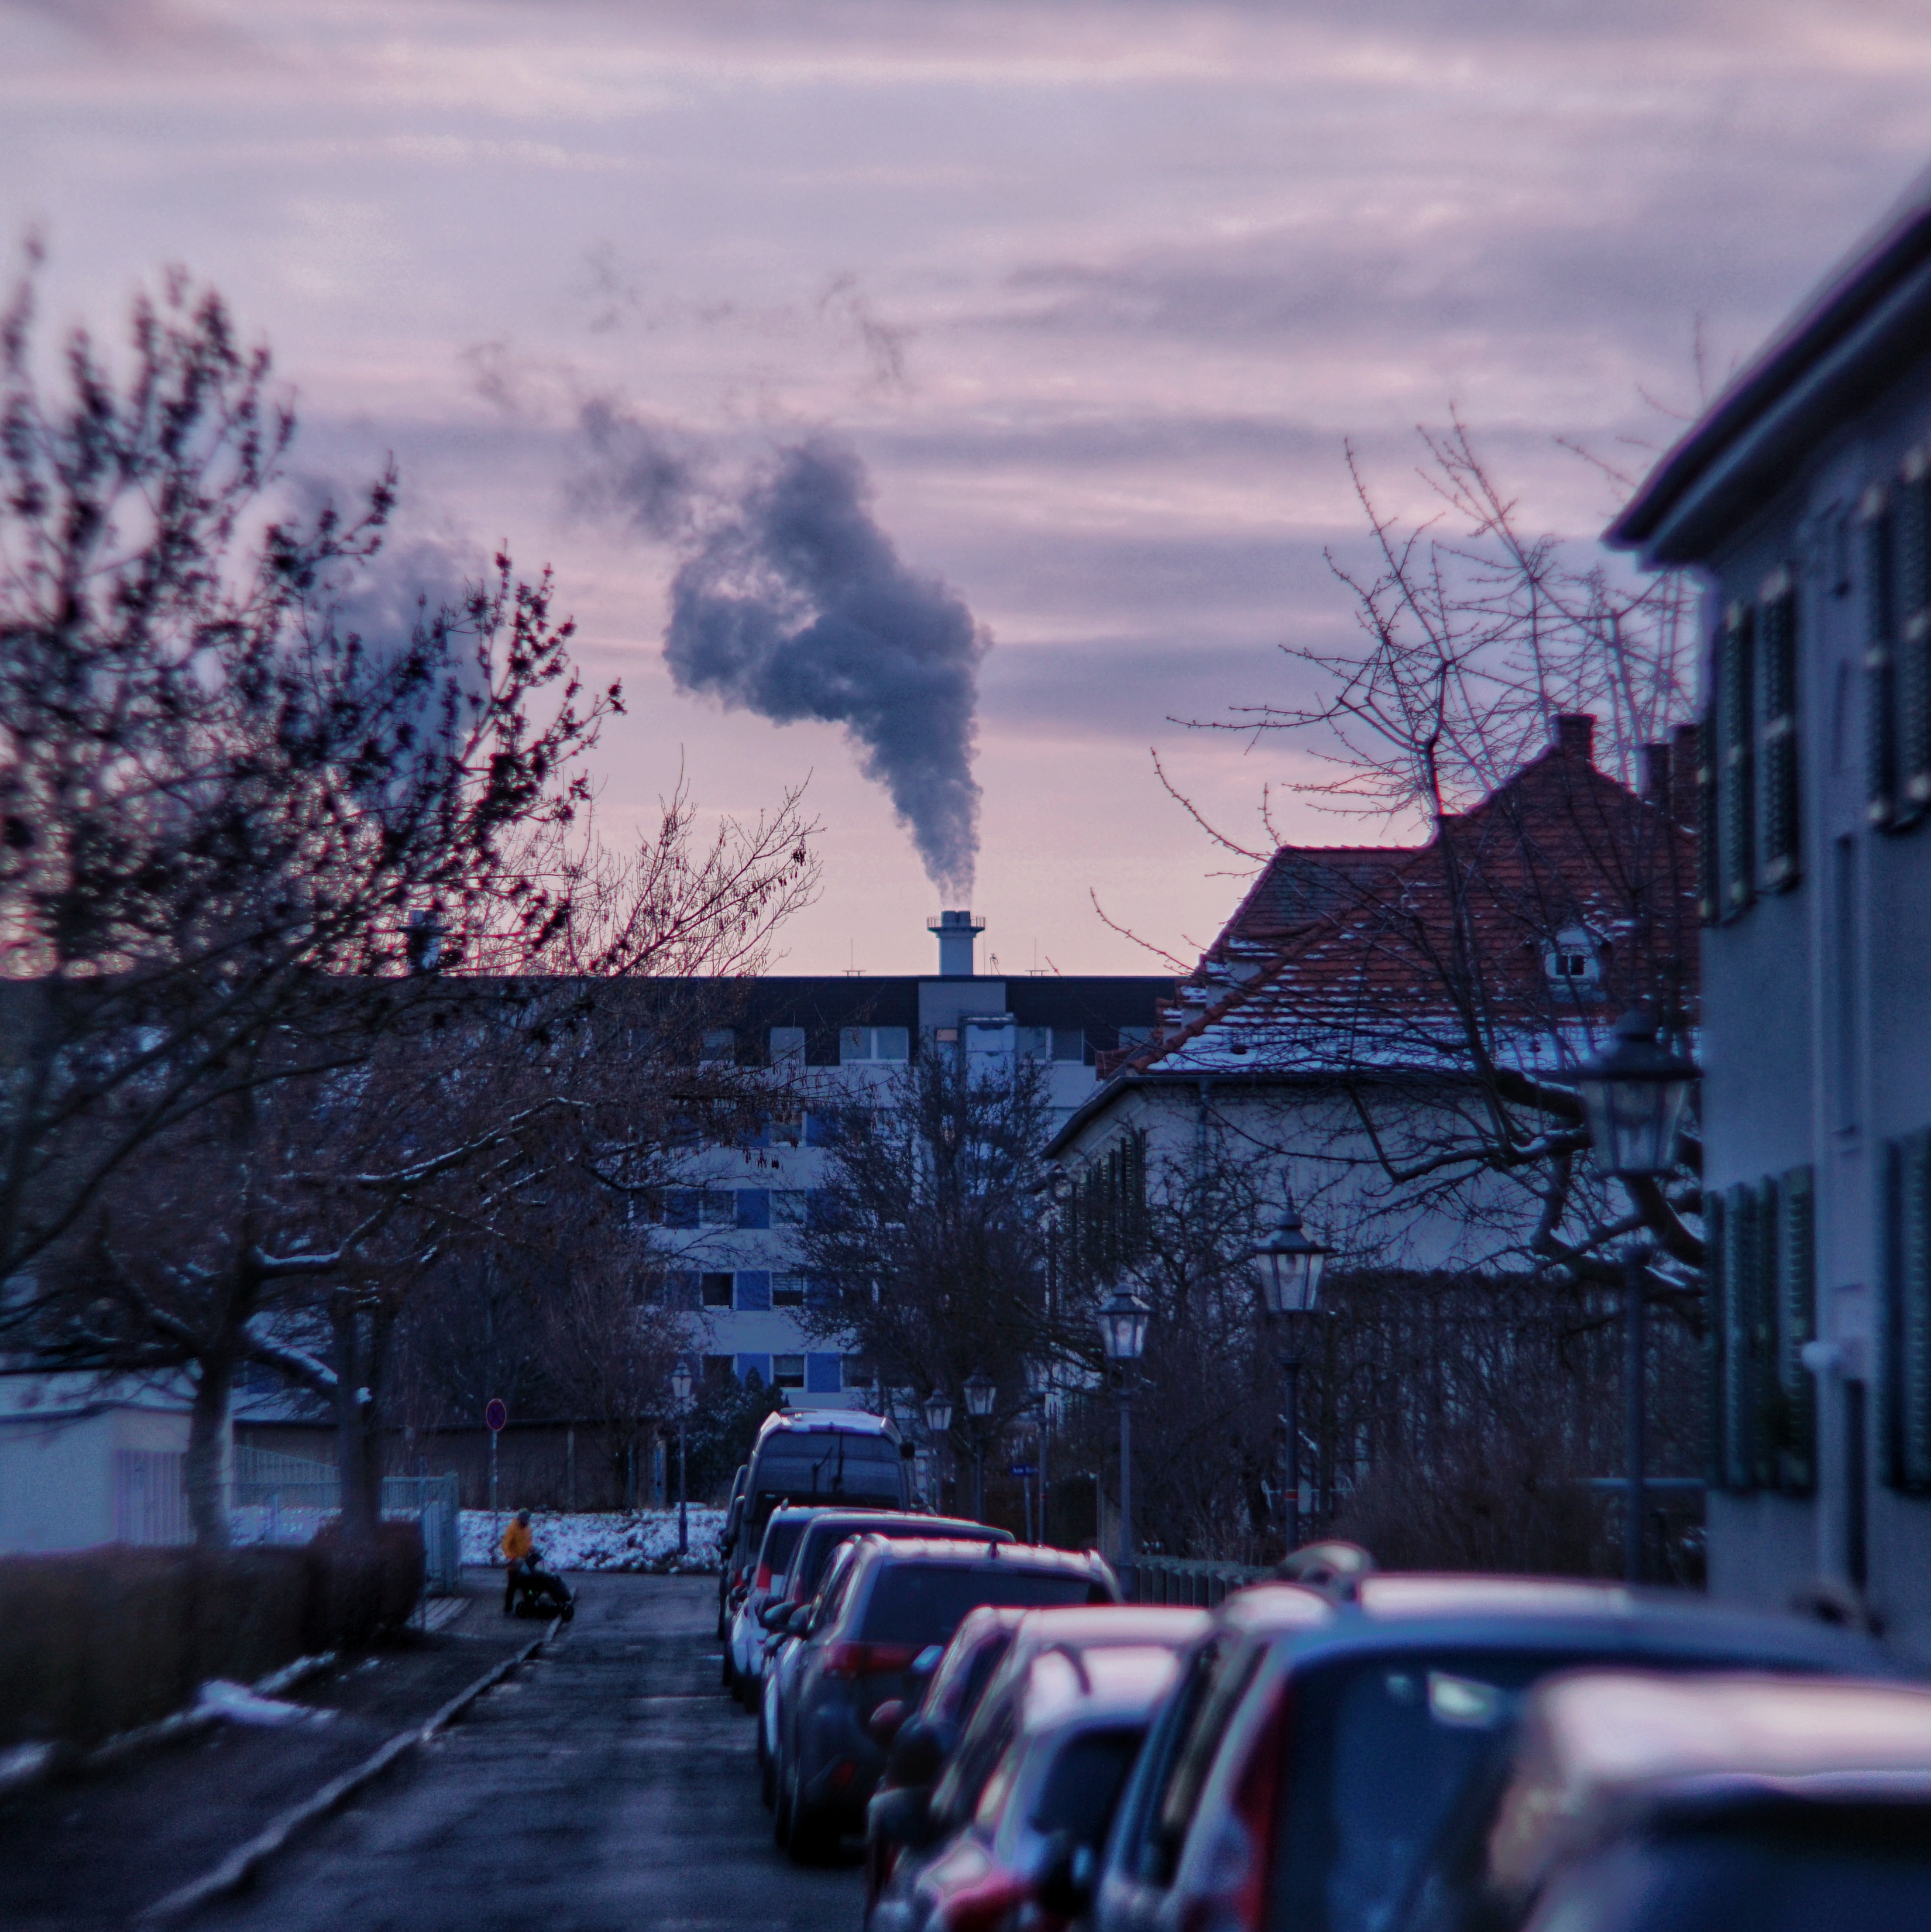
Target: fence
281	1498
1173	1580
150	1506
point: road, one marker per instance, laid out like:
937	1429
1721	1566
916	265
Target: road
610	1784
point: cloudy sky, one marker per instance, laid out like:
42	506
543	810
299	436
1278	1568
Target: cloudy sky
1069	308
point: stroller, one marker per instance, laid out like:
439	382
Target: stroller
537	1593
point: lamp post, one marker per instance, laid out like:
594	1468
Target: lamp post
1632	1096
680	1385
1290	1266
981	1393
1122	1332
938	1427
1039	1384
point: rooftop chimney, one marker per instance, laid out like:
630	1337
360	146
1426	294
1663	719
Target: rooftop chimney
957	932
1576	735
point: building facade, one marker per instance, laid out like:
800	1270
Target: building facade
1804	497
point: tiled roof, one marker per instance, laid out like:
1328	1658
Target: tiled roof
1370	965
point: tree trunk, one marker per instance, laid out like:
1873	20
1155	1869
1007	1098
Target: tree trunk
352	1447
205	1465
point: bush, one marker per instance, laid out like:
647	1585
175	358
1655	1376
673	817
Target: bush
102	1640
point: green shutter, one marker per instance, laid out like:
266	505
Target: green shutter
1777	662
1709	863
1880	658
1743	1341
1716	1353
1913	610
1736	777
1797	1323
1910	1315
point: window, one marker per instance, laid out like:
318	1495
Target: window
787	1371
873	1043
1736	771
788	1206
720	1043
1907	1316
719	1207
1069	1043
1574	960
718	1369
787	1047
715	1290
1777	641
1877	532
754	1207
1035	1042
858	1372
680	1207
786	1129
787	1291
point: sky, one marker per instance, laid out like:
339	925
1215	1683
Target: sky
962	387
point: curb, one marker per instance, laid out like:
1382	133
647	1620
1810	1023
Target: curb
242	1865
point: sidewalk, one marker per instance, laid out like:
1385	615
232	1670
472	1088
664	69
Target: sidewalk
95	1849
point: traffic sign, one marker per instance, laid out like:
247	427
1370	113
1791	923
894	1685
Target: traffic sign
496	1413
1025	1468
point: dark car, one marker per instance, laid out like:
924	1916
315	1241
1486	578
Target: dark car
874	1636
1626	1802
910	1825
1312	1750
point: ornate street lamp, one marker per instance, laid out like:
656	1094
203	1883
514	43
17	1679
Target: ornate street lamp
1633	1095
938	1427
681	1386
981	1392
1291	1268
1122	1332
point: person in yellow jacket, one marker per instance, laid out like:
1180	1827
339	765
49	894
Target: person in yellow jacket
518	1542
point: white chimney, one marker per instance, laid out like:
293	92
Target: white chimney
957	932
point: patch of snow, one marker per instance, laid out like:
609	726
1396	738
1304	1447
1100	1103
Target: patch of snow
632	1539
236	1704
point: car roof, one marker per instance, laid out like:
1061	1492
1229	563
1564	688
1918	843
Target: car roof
965	1552
1065	1684
823	1421
1097	1626
1592	1741
942	1528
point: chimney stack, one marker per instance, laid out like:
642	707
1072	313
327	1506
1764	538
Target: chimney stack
957	932
1576	735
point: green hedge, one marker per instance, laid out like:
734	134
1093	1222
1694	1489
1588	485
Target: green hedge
100	1641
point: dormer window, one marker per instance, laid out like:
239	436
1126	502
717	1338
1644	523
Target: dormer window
1574	959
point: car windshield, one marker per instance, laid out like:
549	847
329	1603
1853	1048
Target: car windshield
1381	1750
1083	1786
924	1603
781	1538
826	1537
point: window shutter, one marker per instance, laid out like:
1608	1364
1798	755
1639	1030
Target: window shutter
1777	652
1709	868
1880	666
1767	1338
1736	781
1913	611
1796	1324
1911	1313
1742	1342
1715	1350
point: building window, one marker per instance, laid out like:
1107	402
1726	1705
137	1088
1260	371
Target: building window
715	1290
787	1371
864	1044
1069	1043
720	1043
787	1291
1777	685
857	1372
1736	774
717	1368
1035	1042
789	1207
787	1047
1573	961
719	1207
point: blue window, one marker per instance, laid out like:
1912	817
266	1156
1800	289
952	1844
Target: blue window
681	1289
754	1207
824	1375
680	1207
753	1290
821	1130
754	1365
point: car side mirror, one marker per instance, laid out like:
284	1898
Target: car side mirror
799	1623
904	1817
775	1616
1064	1886
882	1726
918	1753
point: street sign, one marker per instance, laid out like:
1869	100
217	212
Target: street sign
1025	1468
496	1414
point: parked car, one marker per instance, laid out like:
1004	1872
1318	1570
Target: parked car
1313	1748
874	1636
939	1768
744	1647
1627	1801
1031	1792
828	1531
734	1515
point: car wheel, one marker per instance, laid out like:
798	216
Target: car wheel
750	1694
814	1835
727	1672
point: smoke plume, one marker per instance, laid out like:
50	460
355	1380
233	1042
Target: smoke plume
791	602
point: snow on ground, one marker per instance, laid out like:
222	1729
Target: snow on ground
618	1539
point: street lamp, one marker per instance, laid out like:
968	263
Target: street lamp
1123	1334
1039	1386
981	1393
680	1385
938	1427
1290	1268
1633	1096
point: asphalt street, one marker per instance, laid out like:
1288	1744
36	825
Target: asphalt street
609	1783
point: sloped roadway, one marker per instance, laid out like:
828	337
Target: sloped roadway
610	1784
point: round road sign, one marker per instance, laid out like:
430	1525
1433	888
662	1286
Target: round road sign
496	1414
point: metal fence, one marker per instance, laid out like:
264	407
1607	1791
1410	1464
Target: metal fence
1175	1580
279	1498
